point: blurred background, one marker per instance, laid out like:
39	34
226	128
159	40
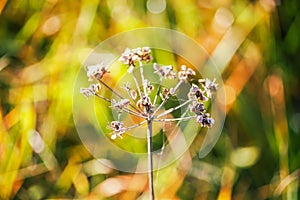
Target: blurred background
256	45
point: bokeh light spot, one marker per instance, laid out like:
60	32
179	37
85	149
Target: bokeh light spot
51	26
223	19
156	6
245	156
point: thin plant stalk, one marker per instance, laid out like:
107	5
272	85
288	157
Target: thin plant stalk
175	119
110	89
172	109
167	97
163	146
158	90
136	84
134	126
125	109
150	160
143	78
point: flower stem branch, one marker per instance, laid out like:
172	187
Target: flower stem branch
134	126
143	78
110	89
174	119
168	96
133	113
158	90
137	84
172	109
124	109
102	97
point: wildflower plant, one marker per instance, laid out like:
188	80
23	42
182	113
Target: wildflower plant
147	101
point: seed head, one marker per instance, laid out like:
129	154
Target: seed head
196	94
197	108
145	105
209	86
90	91
131	56
96	71
118	129
185	73
165	71
205	120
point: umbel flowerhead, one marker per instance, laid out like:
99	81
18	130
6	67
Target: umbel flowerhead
138	101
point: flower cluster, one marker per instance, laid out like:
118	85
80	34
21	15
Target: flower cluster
145	105
165	71
131	56
185	73
118	129
198	96
96	71
148	85
140	103
90	91
209	86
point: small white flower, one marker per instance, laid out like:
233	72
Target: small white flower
147	84
130	56
90	91
209	86
196	93
205	120
96	71
165	71
185	73
197	108
118	129
145	105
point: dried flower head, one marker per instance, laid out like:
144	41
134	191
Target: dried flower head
185	73
131	92
130	56
143	53
205	120
148	85
90	91
96	71
197	108
145	105
209	86
196	93
118	129
140	103
165	71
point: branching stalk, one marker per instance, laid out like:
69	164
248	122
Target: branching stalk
134	126
110	89
175	119
158	90
167	97
172	109
124	109
136	84
143	78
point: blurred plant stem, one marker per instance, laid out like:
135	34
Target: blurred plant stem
150	162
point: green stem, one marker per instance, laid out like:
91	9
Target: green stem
150	159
